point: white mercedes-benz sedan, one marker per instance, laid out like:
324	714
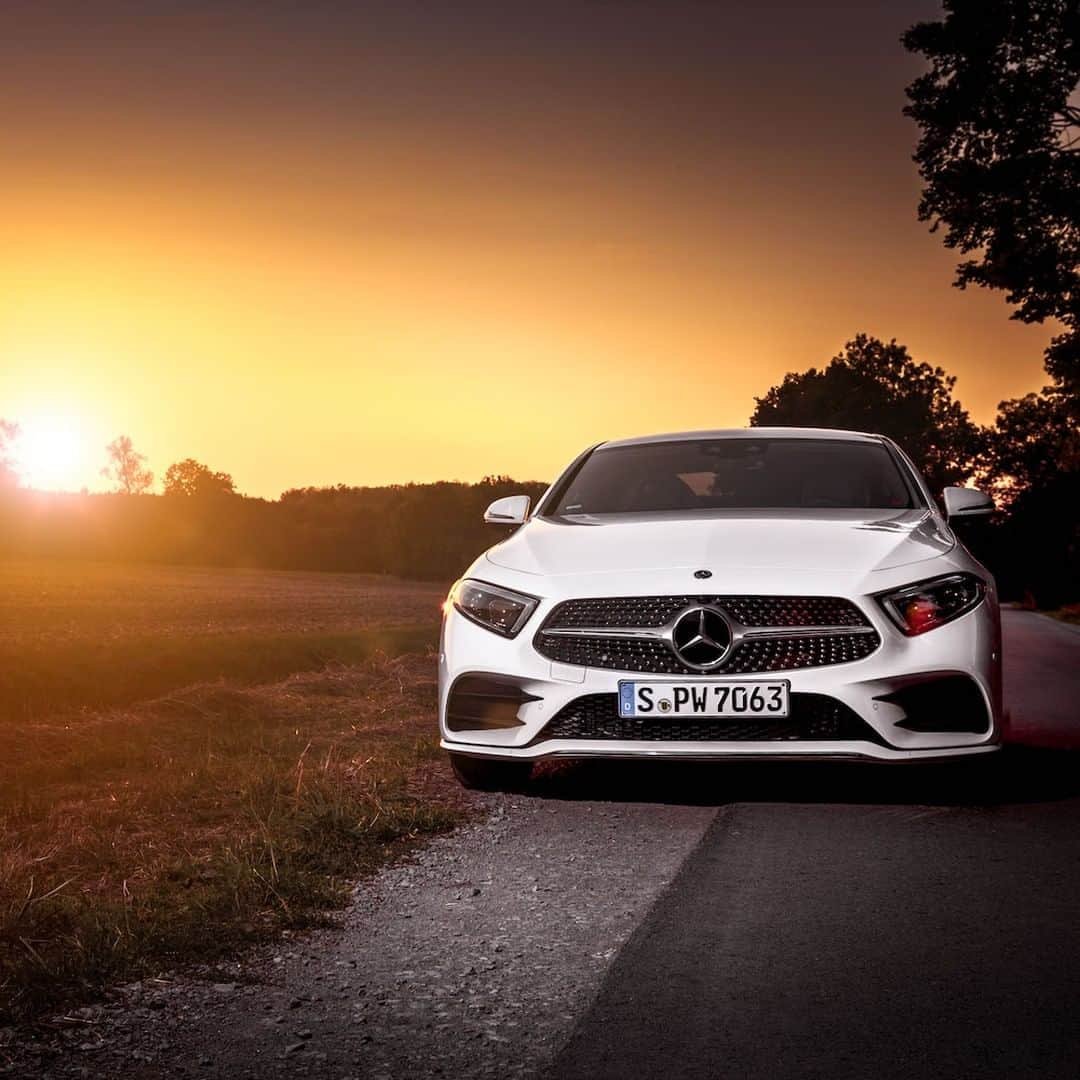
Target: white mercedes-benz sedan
758	593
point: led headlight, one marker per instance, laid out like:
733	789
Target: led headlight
493	607
930	604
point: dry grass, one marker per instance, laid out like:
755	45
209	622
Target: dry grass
181	828
79	601
1070	614
164	798
94	634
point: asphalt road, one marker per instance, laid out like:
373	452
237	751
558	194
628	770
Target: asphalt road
832	925
1042	680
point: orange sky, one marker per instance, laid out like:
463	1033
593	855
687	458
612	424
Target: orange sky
390	242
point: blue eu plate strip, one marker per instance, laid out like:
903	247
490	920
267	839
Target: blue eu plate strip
626	698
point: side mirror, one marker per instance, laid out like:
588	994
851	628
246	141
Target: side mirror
961	502
513	510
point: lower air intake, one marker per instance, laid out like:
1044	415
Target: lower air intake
814	718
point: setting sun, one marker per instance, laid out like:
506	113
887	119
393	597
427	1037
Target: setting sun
50	453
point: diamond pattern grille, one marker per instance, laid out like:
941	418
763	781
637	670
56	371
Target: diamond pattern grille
750	655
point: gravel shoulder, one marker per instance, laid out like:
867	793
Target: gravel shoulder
473	957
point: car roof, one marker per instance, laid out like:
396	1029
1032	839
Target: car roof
751	433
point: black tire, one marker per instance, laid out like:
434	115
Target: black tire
483	774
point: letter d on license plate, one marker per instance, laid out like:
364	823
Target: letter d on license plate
705	698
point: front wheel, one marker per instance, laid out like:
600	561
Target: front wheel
483	774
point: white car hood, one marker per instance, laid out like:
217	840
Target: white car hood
854	542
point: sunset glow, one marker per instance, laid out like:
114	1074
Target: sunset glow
326	277
50	453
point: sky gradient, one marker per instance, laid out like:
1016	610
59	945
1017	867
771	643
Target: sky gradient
316	243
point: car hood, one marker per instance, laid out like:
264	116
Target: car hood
852	542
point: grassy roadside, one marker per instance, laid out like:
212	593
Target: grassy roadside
47	675
1070	614
180	828
77	635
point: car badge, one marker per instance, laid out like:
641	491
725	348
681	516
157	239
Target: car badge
701	638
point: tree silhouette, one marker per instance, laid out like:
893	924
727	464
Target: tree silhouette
1034	444
1000	156
8	431
1035	465
878	387
126	468
191	477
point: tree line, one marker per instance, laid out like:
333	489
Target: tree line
429	531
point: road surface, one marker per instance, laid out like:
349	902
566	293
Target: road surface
839	931
1042	683
646	920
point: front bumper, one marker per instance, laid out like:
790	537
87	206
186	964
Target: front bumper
822	751
968	647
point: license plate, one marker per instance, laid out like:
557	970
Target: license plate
715	698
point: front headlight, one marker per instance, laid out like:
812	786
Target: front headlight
930	604
493	607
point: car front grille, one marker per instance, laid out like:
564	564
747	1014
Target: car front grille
824	630
813	718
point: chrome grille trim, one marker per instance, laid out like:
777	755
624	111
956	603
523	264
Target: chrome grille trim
747	632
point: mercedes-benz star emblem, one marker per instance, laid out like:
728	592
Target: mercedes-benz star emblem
701	638
702	574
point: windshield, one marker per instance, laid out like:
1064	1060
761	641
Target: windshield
741	473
